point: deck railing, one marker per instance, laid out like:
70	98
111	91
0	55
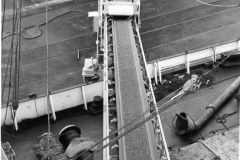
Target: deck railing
105	90
186	60
157	125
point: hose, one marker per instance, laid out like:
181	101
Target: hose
44	24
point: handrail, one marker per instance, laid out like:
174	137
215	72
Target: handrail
105	93
62	100
189	59
158	130
193	51
54	92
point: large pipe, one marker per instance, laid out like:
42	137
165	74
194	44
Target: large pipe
184	123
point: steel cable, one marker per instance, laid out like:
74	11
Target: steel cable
153	114
48	100
3	16
19	45
138	124
206	73
134	120
10	58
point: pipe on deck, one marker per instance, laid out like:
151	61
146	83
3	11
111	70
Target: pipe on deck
184	123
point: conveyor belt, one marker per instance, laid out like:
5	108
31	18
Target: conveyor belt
130	94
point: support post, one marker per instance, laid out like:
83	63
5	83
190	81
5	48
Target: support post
214	54
160	71
187	63
84	98
155	72
52	109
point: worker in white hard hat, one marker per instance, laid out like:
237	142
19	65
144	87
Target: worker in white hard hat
189	86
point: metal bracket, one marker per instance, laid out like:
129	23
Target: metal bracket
115	146
114	120
157	131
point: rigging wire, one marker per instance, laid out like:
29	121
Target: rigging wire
19	45
217	5
10	59
111	133
133	120
11	47
153	114
23	138
48	105
47	51
3	16
15	102
206	73
138	124
216	156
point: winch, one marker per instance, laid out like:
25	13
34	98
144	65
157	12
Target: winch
70	146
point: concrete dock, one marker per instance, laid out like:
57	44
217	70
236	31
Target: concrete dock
224	145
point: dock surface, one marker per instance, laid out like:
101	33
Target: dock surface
224	145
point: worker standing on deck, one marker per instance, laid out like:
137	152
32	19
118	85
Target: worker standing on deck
189	86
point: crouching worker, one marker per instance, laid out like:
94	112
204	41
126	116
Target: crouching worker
189	86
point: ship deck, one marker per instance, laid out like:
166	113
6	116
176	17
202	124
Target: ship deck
91	125
169	27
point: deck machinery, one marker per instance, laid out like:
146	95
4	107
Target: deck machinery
126	84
